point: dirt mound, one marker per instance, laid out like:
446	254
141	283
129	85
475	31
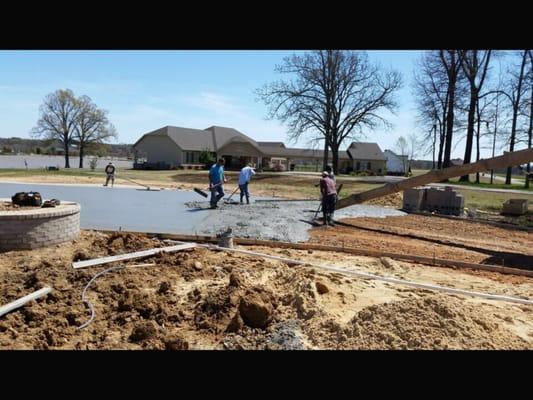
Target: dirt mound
392	200
432	322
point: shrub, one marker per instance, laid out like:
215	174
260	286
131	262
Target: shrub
93	162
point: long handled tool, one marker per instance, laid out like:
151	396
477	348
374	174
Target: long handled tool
140	184
202	193
231	195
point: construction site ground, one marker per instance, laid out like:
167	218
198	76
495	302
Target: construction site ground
203	299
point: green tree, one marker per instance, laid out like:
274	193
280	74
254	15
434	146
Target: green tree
206	157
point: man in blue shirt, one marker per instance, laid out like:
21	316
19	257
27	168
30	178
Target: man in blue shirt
216	181
244	180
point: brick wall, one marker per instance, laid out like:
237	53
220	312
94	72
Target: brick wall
30	229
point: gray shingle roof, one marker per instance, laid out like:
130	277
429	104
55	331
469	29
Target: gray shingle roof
274	151
191	139
366	151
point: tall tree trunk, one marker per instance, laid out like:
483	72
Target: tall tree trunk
469	130
449	122
67	161
441	147
529	134
434	144
326	154
516	107
494	138
335	158
478	135
82	148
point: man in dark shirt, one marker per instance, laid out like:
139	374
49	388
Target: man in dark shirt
329	197
110	172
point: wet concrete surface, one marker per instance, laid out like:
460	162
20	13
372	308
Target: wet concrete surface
286	221
185	212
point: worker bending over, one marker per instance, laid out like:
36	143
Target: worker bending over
329	197
216	182
110	174
244	179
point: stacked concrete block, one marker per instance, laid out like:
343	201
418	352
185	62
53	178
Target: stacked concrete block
33	228
413	199
445	201
515	207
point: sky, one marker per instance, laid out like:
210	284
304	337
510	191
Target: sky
146	90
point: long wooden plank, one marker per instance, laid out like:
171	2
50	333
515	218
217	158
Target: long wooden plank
507	160
23	300
129	256
357	251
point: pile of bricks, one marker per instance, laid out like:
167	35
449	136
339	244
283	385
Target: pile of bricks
447	201
30	229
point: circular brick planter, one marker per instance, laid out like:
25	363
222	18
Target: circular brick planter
39	227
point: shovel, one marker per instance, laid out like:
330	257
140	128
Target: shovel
202	193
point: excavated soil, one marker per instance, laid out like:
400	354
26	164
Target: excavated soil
433	237
202	299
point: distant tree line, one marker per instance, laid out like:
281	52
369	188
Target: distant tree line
460	98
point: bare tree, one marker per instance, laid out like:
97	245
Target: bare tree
475	64
514	92
430	90
92	126
451	61
59	113
336	93
402	147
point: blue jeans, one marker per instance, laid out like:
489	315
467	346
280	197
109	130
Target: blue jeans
216	194
244	192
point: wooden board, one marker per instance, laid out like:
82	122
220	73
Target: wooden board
23	300
129	256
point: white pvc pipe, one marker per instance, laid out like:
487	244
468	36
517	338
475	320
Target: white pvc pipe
23	300
382	278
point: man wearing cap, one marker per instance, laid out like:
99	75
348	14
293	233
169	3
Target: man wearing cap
244	179
329	197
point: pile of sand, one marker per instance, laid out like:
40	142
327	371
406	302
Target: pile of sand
392	200
434	321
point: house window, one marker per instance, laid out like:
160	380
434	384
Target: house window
368	166
189	157
358	166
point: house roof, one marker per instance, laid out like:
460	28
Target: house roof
271	144
185	138
221	136
392	153
366	151
287	152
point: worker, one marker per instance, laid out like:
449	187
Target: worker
216	181
110	174
244	179
329	197
329	170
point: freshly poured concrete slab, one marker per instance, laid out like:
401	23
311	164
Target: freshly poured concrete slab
172	211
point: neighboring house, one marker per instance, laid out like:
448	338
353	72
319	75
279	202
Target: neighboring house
367	157
456	162
173	147
396	164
